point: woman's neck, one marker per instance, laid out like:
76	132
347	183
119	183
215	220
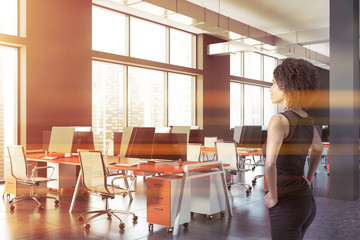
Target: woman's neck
299	111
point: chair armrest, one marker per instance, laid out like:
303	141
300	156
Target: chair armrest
120	177
42	167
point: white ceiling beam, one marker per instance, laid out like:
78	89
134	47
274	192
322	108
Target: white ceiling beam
214	22
308	37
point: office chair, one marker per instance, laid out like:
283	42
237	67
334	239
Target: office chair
193	152
20	172
210	142
95	181
227	153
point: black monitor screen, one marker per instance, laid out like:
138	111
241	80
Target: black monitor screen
170	146
250	136
141	142
325	133
82	140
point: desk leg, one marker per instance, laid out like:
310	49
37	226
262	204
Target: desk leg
75	191
226	194
177	218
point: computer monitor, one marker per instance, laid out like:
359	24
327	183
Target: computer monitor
182	129
325	133
237	133
61	140
196	136
82	140
141	142
250	136
170	146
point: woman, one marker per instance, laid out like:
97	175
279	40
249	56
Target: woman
291	137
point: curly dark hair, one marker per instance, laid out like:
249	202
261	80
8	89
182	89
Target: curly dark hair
298	79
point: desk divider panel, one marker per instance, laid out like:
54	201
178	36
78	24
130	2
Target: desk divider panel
141	142
171	146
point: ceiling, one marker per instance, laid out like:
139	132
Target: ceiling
299	25
280	18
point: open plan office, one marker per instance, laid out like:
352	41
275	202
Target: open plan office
145	119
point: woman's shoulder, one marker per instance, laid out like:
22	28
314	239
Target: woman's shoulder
279	120
278	117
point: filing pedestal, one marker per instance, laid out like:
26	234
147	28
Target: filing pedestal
207	195
162	201
14	188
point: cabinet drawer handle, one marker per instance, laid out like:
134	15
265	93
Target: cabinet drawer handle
159	197
157	184
158	208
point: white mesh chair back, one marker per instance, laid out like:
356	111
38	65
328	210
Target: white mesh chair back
226	153
93	171
18	162
210	141
193	152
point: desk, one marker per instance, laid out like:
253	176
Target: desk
190	170
240	151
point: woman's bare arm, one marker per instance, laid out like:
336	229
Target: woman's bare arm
315	152
278	129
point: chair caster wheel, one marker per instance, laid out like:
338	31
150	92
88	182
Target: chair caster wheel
122	225
151	227
81	218
40	207
253	182
229	188
186	225
135	218
12	208
86	226
247	192
56	202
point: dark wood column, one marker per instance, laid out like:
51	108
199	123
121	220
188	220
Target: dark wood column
216	91
344	99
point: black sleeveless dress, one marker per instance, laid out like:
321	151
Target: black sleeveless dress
292	157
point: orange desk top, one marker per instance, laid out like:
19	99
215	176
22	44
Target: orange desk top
240	151
166	167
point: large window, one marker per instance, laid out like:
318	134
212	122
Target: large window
138	93
9	17
235	64
147	40
235	104
111	38
181	48
252	105
250	102
8	100
270	109
181	99
146	104
269	66
252	66
107	104
154	99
